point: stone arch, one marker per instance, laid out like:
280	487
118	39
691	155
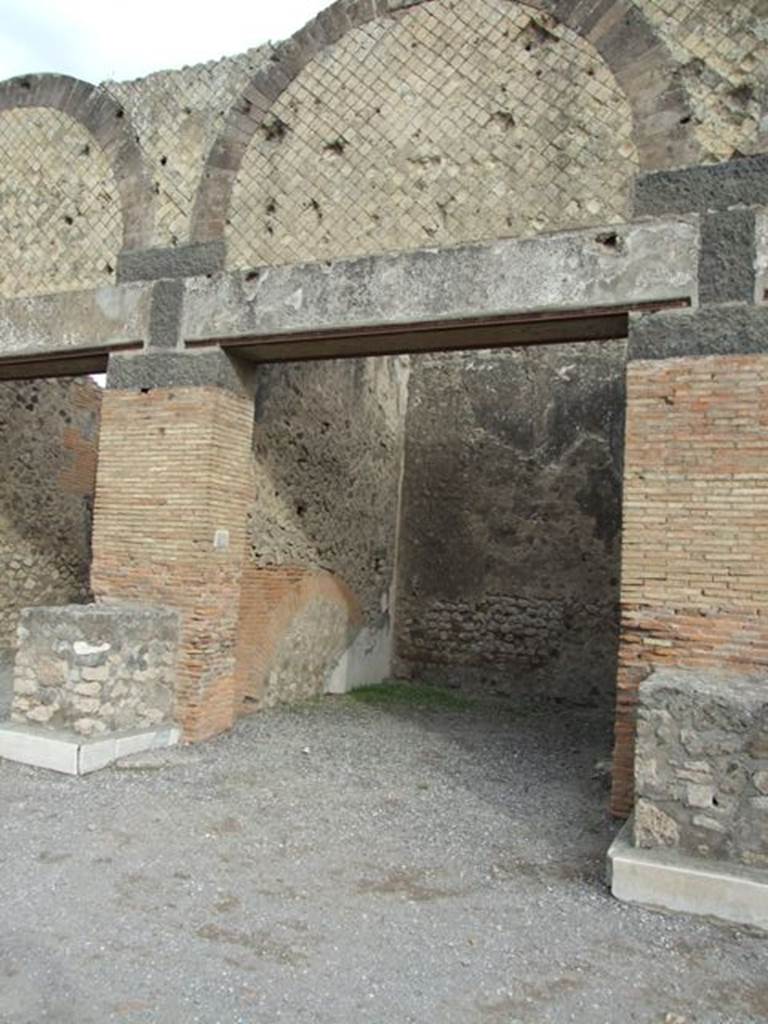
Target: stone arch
639	61
108	124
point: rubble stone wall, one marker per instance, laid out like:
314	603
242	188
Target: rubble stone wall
380	128
96	668
48	450
701	765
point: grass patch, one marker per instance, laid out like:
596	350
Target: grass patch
410	695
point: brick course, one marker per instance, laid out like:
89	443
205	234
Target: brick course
695	544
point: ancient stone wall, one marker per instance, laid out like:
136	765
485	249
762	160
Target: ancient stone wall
509	562
177	115
382	127
328	442
720	52
458	120
701	767
61	221
96	668
48	448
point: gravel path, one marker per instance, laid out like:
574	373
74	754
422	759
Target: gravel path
346	864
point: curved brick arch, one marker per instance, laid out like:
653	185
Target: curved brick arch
109	125
272	598
639	61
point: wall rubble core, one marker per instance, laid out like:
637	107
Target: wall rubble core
509	560
48	445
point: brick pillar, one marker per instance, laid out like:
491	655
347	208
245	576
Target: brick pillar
694	583
172	498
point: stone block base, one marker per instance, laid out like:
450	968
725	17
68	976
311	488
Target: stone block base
669	880
95	670
71	754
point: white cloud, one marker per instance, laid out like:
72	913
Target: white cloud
94	41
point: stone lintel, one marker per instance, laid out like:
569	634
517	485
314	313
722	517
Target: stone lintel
620	264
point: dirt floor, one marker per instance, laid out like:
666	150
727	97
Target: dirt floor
347	862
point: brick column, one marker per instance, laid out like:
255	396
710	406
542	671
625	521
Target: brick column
172	499
694	583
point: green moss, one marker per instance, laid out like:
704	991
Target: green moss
414	695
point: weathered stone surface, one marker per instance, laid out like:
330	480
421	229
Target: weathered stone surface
714	806
48	442
742	182
144	371
509	553
563	271
728	257
61	220
108	667
87	319
432	166
761	255
166	315
328	449
175	262
729	330
653	827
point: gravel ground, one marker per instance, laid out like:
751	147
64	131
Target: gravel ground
341	863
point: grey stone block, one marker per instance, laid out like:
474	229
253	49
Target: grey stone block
70	754
715	330
166	314
669	880
742	182
698	757
96	669
199	258
206	368
728	257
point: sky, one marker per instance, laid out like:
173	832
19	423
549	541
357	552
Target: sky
94	40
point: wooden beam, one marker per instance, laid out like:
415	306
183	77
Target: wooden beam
74	362
516	330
